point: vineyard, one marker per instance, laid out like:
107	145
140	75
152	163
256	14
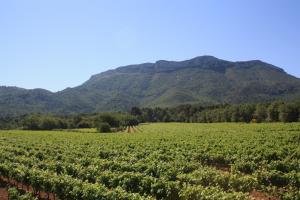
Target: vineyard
160	161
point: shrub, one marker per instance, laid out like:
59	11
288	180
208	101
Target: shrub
110	118
103	127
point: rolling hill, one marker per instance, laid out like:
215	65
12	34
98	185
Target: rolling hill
204	79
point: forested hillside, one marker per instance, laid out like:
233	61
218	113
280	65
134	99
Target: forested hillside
203	80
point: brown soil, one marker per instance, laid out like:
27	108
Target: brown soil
257	195
3	194
254	195
26	188
221	167
137	129
224	169
132	129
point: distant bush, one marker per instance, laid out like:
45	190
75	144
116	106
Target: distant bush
49	123
103	127
84	124
112	119
115	120
43	122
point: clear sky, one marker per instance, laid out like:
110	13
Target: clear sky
54	44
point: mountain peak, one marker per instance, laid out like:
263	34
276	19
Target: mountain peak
203	79
205	57
195	59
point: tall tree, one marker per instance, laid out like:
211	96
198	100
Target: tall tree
260	113
273	112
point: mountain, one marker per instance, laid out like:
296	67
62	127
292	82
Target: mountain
204	79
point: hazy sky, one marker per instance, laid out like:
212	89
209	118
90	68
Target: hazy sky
55	44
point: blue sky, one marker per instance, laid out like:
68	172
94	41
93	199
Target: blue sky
54	44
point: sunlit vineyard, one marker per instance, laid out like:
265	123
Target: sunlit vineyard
160	161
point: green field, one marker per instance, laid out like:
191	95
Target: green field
161	161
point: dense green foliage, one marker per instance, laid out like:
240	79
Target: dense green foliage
268	112
50	122
103	127
14	194
205	80
163	161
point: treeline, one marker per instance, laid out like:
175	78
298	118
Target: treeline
104	122
107	122
267	112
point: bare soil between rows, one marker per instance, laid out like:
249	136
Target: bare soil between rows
5	184
3	193
257	195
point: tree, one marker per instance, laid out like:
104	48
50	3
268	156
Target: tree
76	120
111	119
234	114
260	113
103	127
136	111
246	112
148	115
32	122
84	124
48	123
288	113
273	112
